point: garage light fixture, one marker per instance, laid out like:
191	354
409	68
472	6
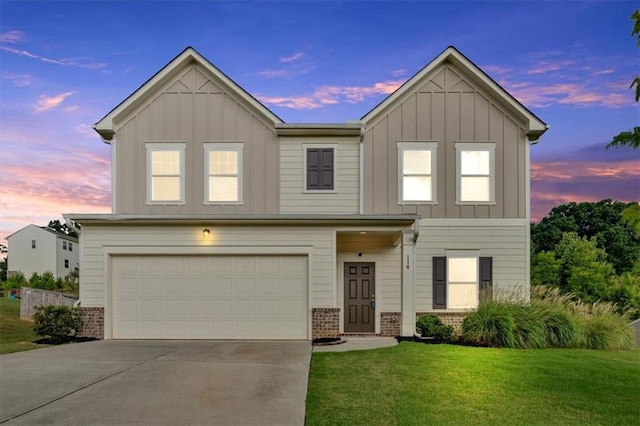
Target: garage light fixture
206	232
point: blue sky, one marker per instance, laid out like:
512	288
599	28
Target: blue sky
64	65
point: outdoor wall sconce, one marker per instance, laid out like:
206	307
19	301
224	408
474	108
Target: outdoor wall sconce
206	232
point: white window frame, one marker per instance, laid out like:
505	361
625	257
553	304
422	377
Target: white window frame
180	147
209	147
489	147
463	254
305	147
431	146
70	246
64	245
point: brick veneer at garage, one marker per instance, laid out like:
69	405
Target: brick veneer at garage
453	319
325	322
92	323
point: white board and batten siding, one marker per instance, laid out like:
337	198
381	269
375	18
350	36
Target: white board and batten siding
104	246
294	199
504	240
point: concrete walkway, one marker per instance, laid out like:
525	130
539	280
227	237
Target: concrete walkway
157	382
358	344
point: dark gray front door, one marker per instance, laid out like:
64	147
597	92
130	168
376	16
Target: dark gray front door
359	297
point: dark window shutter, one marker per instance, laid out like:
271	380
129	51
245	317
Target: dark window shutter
486	279
320	168
439	282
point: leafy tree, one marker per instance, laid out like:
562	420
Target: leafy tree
602	221
631	137
626	293
3	270
545	269
585	270
61	228
631	216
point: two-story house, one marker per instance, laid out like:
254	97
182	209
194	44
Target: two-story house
38	249
228	223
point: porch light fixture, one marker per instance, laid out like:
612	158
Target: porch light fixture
362	233
206	232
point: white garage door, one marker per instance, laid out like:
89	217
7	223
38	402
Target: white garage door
209	297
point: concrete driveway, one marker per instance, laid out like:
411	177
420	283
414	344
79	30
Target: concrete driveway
157	382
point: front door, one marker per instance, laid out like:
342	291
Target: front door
359	297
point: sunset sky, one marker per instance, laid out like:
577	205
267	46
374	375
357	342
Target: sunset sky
64	65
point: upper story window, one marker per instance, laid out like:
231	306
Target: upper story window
417	172
320	170
475	164
223	173
165	173
33	244
64	245
70	246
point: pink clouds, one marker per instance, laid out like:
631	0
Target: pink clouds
11	37
539	95
18	80
45	103
331	95
560	182
292	58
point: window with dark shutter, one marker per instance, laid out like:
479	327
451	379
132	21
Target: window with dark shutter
320	169
439	282
486	279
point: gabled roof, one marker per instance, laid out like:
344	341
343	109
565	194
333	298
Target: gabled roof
105	126
44	228
535	126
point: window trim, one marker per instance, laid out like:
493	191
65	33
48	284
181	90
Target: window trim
166	146
33	244
307	146
476	146
70	246
223	146
64	244
431	146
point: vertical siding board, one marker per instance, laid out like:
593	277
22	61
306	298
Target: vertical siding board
215	116
251	159
368	171
195	169
423	116
496	134
452	134
409	124
271	173
444	158
171	114
380	176
481	117
157	118
259	157
229	119
510	167
143	129
201	125
467	116
395	134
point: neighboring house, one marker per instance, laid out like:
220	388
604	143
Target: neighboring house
41	249
229	223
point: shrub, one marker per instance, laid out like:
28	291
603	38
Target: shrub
16	281
58	322
432	326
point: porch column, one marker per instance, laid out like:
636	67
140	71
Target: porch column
408	284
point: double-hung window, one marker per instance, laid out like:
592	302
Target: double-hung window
70	246
475	165
64	245
165	173
417	172
320	170
461	279
223	173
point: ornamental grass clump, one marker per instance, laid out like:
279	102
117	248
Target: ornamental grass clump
551	319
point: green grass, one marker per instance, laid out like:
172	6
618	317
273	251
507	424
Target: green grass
15	335
417	384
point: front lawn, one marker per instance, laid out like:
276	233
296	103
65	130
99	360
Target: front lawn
418	384
15	335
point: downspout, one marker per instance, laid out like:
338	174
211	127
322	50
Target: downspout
527	253
361	173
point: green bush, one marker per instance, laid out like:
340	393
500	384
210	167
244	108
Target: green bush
60	323
491	324
16	281
432	326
